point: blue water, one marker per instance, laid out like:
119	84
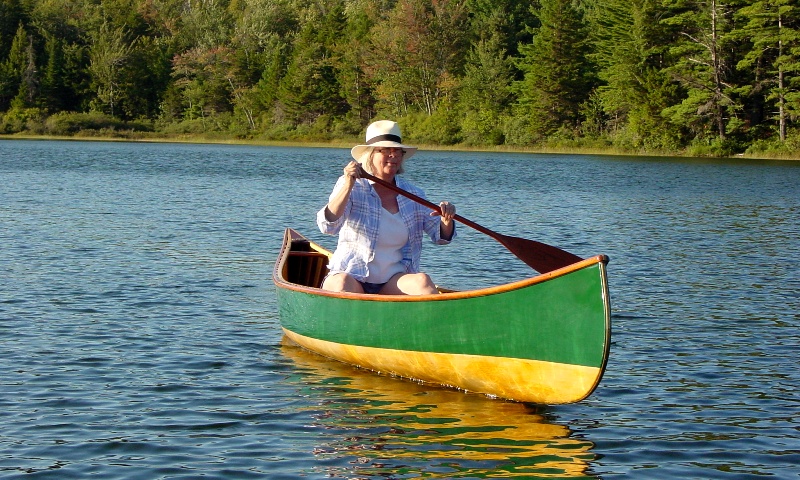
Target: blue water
139	336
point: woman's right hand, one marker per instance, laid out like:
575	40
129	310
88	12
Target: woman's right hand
336	205
351	171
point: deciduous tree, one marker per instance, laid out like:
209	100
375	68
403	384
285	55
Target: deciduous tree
417	50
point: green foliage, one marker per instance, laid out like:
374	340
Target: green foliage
108	56
482	127
204	78
70	123
310	88
54	74
701	60
441	128
351	51
21	119
415	54
661	76
12	70
518	131
485	92
714	147
773	29
557	70
12	15
775	147
629	49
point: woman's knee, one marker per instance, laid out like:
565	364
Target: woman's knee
342	282
424	280
416	284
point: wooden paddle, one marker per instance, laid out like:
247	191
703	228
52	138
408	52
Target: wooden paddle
541	257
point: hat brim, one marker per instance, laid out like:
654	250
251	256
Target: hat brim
360	151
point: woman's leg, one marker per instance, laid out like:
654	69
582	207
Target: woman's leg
342	282
409	284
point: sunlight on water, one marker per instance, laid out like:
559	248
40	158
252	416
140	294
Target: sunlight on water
388	425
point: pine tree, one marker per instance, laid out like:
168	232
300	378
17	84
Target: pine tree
12	70
11	17
109	52
310	87
509	20
29	84
702	63
557	71
629	48
773	27
485	92
350	58
265	92
54	75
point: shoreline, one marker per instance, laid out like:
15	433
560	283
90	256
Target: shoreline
344	143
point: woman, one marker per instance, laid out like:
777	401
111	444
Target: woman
380	233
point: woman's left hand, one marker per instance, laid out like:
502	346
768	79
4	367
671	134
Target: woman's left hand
447	211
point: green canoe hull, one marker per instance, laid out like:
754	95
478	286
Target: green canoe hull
543	340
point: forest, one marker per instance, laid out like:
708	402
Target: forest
695	77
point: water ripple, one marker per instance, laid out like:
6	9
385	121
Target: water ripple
139	335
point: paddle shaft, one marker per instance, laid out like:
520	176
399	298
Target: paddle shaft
363	174
539	256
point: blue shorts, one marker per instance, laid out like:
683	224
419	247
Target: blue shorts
372	288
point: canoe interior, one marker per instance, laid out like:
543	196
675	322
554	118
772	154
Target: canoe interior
306	264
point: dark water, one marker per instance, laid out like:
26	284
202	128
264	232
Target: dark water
139	336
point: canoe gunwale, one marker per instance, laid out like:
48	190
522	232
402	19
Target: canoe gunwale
293	236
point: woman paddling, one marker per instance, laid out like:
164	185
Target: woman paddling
380	233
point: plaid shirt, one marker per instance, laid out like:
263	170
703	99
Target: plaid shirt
358	228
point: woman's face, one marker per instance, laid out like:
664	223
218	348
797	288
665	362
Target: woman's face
386	161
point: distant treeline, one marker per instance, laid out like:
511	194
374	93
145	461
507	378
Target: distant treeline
707	77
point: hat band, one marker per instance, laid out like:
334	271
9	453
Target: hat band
381	138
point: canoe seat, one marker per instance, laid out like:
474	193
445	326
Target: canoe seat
306	268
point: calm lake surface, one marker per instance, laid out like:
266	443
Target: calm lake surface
139	336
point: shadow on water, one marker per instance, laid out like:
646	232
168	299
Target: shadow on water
373	426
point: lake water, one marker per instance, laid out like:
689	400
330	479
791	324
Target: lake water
139	336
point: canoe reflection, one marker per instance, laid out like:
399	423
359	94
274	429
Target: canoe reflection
392	426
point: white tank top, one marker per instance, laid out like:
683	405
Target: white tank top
388	256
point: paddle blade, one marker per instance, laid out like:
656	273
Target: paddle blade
539	256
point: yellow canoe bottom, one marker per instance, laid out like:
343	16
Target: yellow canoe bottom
516	379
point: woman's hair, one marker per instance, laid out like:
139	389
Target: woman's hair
366	161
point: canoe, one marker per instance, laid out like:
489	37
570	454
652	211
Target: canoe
543	340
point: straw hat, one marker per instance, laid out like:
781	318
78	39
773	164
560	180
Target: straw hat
383	133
